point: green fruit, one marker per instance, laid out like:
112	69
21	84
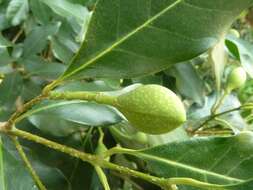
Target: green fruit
234	33
140	138
152	109
236	79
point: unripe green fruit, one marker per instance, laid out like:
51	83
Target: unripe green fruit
152	109
234	33
236	79
140	138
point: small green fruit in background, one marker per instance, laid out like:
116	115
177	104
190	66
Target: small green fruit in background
234	33
140	138
152	109
236	79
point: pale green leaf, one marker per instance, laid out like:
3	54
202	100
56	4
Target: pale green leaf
17	11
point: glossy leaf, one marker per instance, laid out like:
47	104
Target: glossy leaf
225	161
64	44
133	38
61	118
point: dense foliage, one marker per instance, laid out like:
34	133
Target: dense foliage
126	94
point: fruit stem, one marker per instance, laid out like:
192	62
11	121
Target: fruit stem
80	95
218	104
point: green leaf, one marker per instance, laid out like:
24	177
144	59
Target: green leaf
133	38
5	57
197	115
10	89
225	161
36	66
188	82
4	42
64	44
68	10
17	11
243	51
11	163
37	38
40	11
62	118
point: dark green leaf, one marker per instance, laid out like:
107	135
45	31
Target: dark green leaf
5	57
4	42
133	38
10	89
10	163
36	66
37	39
225	161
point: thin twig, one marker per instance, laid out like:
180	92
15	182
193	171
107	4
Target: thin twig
33	173
16	37
98	161
212	117
25	108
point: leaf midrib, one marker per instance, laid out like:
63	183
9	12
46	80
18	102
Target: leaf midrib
104	52
181	165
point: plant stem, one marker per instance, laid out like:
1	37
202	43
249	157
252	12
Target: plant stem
50	87
33	173
89	96
40	140
25	107
98	161
210	118
102	177
16	37
163	182
77	160
219	103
